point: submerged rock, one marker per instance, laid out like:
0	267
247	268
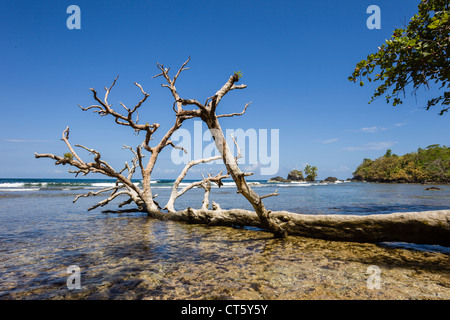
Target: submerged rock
434	189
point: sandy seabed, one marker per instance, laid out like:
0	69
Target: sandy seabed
135	259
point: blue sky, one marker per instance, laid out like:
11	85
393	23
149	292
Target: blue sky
295	57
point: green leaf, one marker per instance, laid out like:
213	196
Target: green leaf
434	25
68	155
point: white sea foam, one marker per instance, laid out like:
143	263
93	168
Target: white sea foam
12	185
103	184
304	184
18	189
38	184
229	184
108	184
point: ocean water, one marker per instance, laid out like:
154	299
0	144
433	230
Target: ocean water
301	197
130	256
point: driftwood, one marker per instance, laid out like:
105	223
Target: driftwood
428	227
431	227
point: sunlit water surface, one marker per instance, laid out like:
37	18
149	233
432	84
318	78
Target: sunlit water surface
129	256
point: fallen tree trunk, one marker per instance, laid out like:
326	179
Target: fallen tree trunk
428	227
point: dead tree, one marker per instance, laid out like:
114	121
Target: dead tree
427	227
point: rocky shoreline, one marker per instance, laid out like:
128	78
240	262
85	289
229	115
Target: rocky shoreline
361	179
297	176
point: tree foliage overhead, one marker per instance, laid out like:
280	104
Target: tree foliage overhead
416	55
431	164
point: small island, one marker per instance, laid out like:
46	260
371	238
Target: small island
429	165
297	176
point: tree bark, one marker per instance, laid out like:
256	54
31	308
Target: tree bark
429	227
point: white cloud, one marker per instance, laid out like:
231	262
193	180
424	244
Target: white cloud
372	146
341	169
252	167
328	141
375	129
24	140
369	129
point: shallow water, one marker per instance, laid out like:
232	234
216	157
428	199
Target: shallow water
129	256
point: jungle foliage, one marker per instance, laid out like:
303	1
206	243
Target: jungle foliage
431	164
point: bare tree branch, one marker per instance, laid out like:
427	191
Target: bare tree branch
235	114
175	193
104	108
239	155
206	185
66	140
176	147
216	206
109	199
95	193
186	102
183	67
241	86
270	195
99	166
109	90
229	85
137	160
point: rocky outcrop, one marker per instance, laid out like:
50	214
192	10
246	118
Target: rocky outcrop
357	178
330	180
278	179
294	175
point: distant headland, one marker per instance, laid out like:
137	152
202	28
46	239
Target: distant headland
429	165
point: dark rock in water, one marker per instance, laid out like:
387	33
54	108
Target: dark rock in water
358	178
278	179
434	189
331	179
295	175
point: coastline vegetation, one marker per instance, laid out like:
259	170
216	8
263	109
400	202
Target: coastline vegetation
429	165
